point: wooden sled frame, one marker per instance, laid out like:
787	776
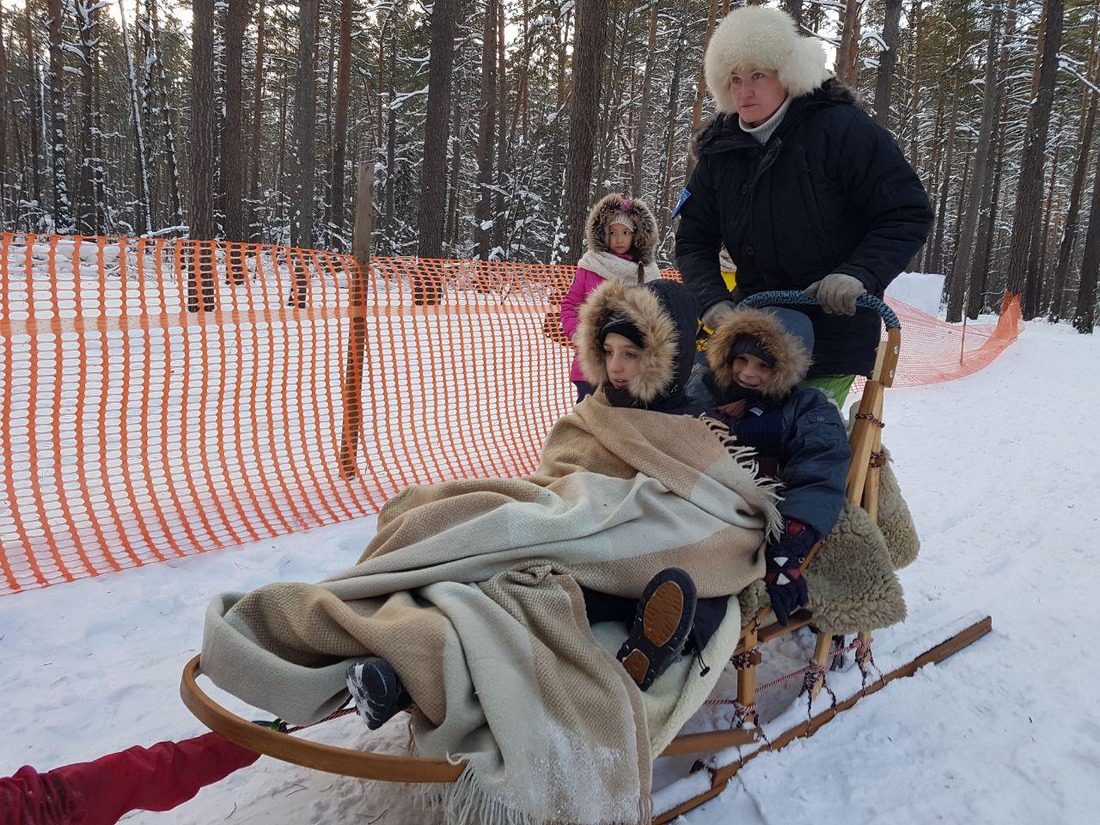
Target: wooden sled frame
862	489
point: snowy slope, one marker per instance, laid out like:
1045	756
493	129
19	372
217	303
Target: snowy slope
1001	471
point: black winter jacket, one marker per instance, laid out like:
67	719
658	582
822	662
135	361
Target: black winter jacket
801	440
829	192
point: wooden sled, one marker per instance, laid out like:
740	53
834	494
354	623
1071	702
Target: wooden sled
744	742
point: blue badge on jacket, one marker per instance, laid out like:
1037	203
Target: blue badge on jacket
680	203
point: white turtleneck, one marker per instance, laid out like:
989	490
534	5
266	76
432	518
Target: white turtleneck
764	131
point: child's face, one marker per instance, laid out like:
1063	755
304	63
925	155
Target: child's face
750	372
619	239
621	359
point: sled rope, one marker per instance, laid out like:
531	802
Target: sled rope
282	726
866	416
749	658
812	681
865	658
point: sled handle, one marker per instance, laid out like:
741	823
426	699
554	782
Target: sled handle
794	297
309	754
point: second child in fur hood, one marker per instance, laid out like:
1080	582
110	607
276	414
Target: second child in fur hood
621	236
757	360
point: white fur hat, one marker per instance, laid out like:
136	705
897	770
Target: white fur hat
758	37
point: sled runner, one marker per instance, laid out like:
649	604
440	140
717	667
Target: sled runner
725	749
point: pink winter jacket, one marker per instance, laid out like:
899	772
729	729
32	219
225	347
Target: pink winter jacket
583	283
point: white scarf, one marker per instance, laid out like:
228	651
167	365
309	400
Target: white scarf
765	129
610	266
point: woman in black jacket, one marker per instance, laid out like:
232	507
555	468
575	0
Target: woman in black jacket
802	188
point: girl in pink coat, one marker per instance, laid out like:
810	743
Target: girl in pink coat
621	236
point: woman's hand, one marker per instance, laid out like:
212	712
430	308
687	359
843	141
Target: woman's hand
837	293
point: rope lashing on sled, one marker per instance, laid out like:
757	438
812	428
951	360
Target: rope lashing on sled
282	727
872	419
865	658
809	673
813	681
746	659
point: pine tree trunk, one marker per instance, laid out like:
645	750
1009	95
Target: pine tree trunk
848	51
200	269
700	89
1024	252
590	44
6	200
499	217
87	222
1089	100
143	217
641	129
304	161
391	136
256	154
436	131
232	133
888	59
337	207
486	133
936	258
670	130
62	206
1084	315
36	106
962	273
159	82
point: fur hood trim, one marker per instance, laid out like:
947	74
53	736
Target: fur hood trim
783	333
644	309
762	38
645	226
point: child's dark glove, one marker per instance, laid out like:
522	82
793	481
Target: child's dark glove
783	578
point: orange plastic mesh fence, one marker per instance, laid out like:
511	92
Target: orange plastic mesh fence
160	398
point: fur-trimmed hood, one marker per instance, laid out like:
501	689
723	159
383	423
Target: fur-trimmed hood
667	315
786	334
762	38
645	226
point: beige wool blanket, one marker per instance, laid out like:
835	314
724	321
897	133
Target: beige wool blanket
471	590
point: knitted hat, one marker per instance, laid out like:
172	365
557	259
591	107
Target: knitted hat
751	345
757	37
624	219
625	327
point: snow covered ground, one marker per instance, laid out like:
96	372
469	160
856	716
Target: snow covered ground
1001	471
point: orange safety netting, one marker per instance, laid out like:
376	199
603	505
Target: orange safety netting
159	397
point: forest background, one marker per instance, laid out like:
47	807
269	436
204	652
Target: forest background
491	125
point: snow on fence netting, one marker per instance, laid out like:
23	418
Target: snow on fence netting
162	397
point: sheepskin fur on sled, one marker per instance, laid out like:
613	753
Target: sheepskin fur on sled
851	579
895	520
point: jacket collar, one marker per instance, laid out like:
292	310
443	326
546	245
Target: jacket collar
725	134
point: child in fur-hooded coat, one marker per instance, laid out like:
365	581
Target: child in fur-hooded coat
621	236
757	359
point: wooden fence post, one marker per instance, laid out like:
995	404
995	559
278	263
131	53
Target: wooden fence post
357	340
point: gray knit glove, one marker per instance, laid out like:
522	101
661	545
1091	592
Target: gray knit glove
722	311
836	293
